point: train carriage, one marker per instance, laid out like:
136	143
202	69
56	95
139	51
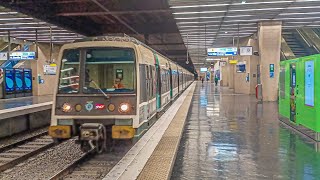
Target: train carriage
111	87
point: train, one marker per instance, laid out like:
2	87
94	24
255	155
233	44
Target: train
112	88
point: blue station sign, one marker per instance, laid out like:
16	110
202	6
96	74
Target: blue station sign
225	51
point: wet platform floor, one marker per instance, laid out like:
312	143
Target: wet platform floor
231	136
24	101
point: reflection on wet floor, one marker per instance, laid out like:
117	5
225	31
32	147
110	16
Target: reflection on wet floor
231	136
24	101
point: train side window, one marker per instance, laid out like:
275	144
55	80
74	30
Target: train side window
69	74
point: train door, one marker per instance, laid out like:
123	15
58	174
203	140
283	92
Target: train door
171	85
292	92
158	78
148	89
178	75
183	82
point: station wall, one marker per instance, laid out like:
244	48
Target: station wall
47	87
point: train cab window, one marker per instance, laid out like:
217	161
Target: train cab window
69	72
109	70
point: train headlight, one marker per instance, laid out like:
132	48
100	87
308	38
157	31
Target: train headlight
78	107
124	107
111	107
66	107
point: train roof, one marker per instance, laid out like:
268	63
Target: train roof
124	38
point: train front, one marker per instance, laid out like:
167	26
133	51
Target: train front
96	96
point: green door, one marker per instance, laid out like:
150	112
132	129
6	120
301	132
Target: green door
293	85
171	84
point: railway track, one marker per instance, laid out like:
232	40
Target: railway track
91	165
17	152
20	139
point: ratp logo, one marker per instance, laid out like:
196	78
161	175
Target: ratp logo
89	105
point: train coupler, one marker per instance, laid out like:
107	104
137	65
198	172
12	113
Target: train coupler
93	136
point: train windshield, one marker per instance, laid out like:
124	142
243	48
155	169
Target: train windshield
69	73
109	70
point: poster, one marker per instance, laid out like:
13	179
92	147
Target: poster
50	69
309	83
27	80
9	81
18	75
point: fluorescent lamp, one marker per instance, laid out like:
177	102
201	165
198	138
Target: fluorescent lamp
14	19
22	23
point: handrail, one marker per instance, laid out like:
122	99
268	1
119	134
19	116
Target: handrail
283	54
315	47
303	38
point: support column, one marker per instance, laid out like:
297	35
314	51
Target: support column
231	70
269	34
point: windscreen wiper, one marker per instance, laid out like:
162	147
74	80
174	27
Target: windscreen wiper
105	95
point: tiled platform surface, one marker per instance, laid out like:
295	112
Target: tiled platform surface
231	136
160	164
131	165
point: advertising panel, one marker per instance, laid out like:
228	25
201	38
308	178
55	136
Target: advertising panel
225	51
241	67
27	80
18	75
309	83
9	81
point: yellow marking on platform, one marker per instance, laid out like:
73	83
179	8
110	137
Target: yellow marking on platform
161	162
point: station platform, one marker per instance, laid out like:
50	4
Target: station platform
25	113
213	133
24	105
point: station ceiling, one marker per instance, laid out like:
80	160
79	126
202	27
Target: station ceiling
150	21
214	23
169	26
23	27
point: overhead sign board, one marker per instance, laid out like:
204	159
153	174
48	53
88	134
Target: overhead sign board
203	69
225	51
213	59
233	61
23	55
246	51
3	56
